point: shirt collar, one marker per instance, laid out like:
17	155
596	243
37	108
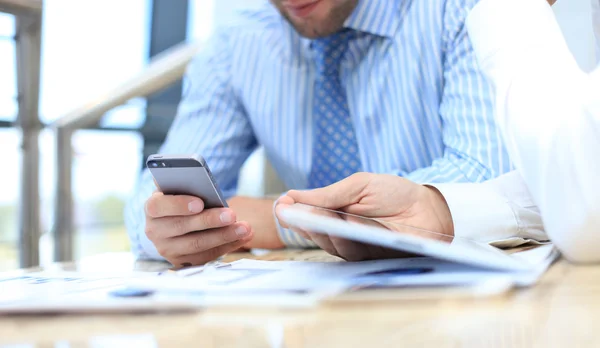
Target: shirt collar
377	17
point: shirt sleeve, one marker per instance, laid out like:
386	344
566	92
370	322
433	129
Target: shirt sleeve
548	111
596	25
500	211
210	122
474	151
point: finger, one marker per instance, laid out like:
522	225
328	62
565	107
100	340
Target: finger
315	210
323	242
172	226
364	221
202	241
377	252
302	233
340	194
209	255
283	202
350	250
161	205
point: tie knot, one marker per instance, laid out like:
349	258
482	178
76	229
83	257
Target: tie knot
330	50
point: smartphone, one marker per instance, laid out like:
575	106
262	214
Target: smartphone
186	175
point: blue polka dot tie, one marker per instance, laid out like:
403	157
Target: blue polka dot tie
335	149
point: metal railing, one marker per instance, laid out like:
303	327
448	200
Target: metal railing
21	8
28	23
164	70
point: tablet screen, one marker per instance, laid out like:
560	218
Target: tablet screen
378	232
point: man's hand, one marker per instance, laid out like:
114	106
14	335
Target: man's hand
186	234
388	198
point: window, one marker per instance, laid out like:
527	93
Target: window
9	186
200	19
105	169
109	46
103	178
7	26
9	143
8	87
89	48
130	115
203	14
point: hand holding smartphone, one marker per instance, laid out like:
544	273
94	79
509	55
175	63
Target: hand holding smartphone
188	219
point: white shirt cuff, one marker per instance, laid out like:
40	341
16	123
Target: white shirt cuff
149	249
478	212
290	238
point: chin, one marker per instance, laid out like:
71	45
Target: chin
309	34
314	32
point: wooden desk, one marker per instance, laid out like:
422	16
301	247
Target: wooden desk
562	311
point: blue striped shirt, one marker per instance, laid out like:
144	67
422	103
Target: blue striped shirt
420	106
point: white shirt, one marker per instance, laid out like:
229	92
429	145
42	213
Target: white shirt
549	113
596	24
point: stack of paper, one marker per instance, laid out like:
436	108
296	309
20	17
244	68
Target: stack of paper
253	283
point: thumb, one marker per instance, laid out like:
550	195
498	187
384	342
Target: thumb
282	203
340	194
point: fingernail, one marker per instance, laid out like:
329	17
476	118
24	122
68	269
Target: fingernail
195	206
241	231
226	218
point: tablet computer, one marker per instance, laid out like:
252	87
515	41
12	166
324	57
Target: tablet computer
400	237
